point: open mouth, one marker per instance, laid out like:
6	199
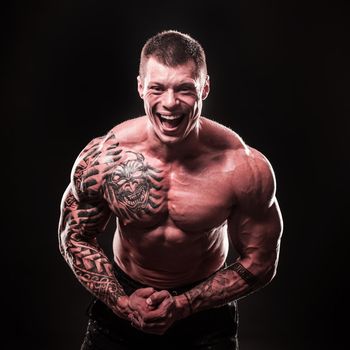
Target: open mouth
136	199
171	121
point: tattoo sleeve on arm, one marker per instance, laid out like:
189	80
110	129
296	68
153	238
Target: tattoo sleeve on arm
79	226
228	284
84	214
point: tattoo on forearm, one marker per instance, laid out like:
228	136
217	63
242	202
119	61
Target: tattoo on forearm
94	271
222	288
78	244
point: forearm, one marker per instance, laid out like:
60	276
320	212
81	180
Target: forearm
93	269
231	283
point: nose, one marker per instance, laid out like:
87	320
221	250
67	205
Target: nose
131	185
169	99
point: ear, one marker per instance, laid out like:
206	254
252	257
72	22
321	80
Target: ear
206	88
140	86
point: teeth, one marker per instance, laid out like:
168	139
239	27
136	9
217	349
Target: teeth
171	117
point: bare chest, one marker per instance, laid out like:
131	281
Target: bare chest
144	192
199	200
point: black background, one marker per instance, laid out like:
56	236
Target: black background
279	77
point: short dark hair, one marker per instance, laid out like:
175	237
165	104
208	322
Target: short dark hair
173	48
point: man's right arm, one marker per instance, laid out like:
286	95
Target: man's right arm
84	215
80	224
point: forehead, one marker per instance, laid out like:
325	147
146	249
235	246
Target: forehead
156	71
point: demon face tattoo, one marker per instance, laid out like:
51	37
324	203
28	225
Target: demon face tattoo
133	184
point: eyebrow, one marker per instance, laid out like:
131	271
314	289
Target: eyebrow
187	84
154	83
181	84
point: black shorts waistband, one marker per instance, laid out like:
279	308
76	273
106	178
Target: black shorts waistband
130	285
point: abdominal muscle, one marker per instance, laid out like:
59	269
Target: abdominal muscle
167	257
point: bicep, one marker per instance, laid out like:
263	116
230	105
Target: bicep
255	234
83	218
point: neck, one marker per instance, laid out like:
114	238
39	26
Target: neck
169	152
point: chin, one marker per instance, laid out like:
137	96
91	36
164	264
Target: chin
170	140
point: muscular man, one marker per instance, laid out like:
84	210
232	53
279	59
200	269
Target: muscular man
181	187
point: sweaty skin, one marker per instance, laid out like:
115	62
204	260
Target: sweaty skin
181	187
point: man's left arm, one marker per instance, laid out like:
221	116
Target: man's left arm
255	227
257	242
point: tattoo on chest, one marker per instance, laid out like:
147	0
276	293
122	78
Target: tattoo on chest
135	186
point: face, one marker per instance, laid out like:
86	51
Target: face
173	98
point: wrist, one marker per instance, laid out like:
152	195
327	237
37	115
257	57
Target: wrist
183	306
121	307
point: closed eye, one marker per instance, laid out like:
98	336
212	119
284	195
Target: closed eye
156	88
186	88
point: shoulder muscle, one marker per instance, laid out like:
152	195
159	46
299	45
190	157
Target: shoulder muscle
257	183
90	164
